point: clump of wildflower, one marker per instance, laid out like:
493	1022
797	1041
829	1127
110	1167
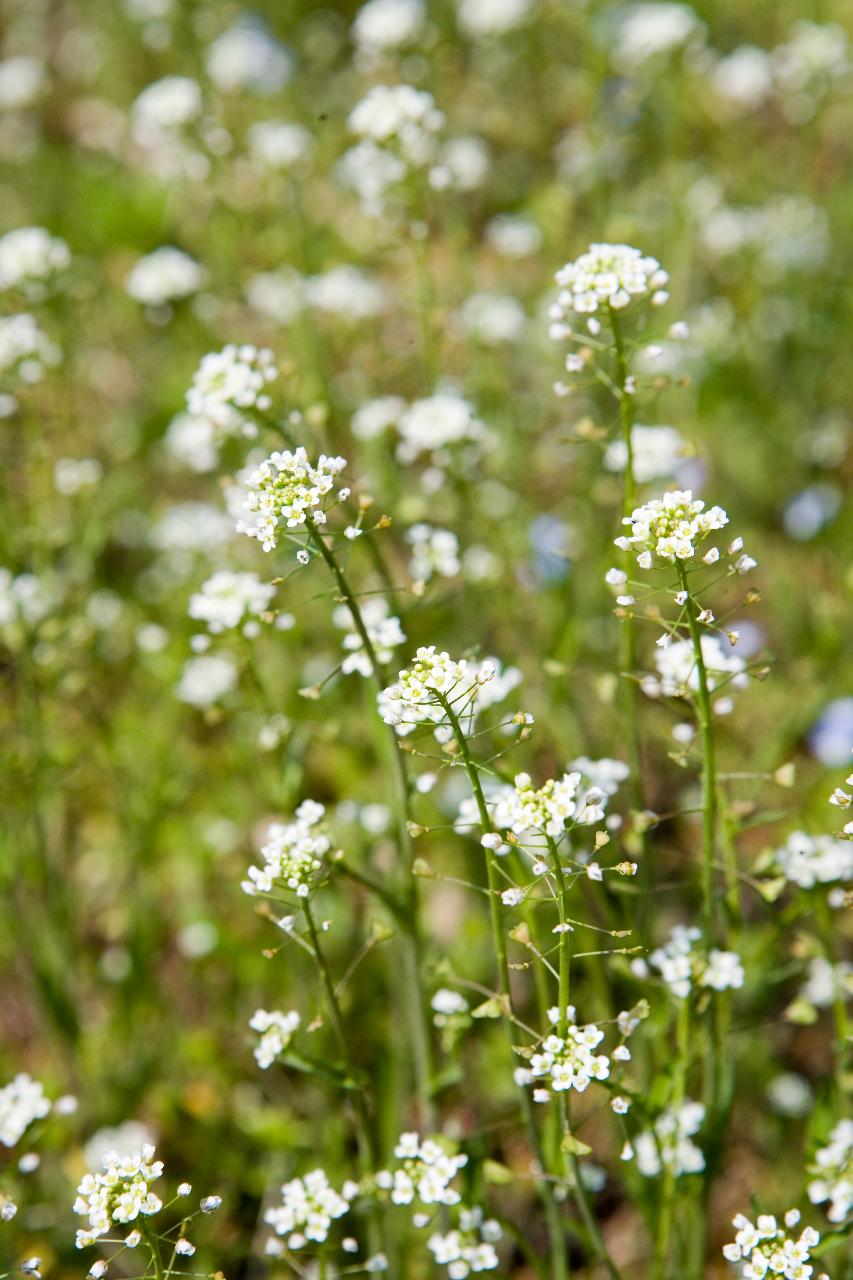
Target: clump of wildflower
678	673
681	966
548	808
667	1144
383	629
309	1206
433	551
382	25
450	1014
163	276
276	1031
229	388
118	1195
21	1102
606	275
764	1248
468	1248
809	860
670	527
400	115
437	421
288	490
832	1172
492	17
24	348
206	679
434	681
226	598
293	853
424	1173
278	144
567	1061
656	451
30	257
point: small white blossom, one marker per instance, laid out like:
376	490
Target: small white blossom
230	385
118	1195
469	1248
433	551
383	629
809	860
275	1031
163	276
227	598
206	679
766	1249
606	275
672	526
30	257
656	452
667	1144
569	1061
832	1171
309	1206
293	853
424	1172
22	1101
287	490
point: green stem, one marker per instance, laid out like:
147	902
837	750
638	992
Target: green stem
415	1002
559	1252
667	1197
628	635
709	766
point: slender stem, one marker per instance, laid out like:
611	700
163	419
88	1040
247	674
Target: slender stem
709	766
628	635
559	1252
410	918
667	1197
154	1250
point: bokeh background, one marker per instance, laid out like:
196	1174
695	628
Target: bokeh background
718	138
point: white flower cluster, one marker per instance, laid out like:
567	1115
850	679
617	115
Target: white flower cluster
424	1173
309	1206
21	1102
549	808
227	598
766	1249
678	673
163	276
809	860
667	1144
670	527
833	1170
293	853
275	1030
381	25
468	687
566	1062
606	275
288	489
470	1247
655	451
278	144
433	551
118	1195
492	17
25	348
205	679
247	57
680	965
229	386
29	258
431	424
163	119
402	115
383	629
491	318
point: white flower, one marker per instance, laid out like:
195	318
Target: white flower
513	235
24	348
424	1172
309	1206
401	117
827	982
125	1138
381	25
433	423
165	105
606	275
667	1144
671	527
118	1195
766	1249
293	853
492	17
279	295
492	318
347	292
247	57
29	258
22	80
163	276
433	680
227	598
674	961
447	1003
656	452
569	1062
21	1102
723	971
809	860
678	673
384	631
206	679
376	416
229	385
652	30
833	1173
278	144
468	1248
605	774
744	78
288	490
276	1031
433	551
